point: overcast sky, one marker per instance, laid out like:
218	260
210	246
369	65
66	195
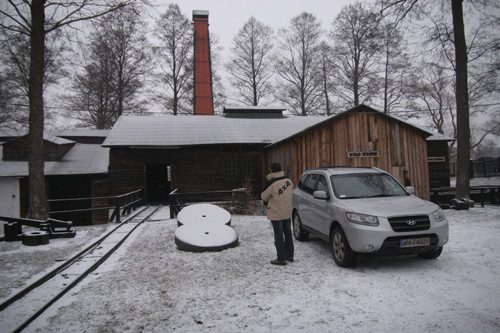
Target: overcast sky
227	17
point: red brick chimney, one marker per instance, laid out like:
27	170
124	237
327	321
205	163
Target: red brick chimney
203	95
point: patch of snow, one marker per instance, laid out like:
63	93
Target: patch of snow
22	265
478	181
151	286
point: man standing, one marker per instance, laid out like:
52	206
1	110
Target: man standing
278	195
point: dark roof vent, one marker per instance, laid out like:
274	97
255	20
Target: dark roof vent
253	112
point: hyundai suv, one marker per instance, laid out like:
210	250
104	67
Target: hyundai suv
366	211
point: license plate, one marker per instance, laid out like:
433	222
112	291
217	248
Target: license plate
414	242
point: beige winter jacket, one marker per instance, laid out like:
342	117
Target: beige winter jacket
278	195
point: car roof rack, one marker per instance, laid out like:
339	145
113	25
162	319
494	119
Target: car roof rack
342	166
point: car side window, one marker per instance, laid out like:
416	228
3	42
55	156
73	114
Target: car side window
301	182
310	183
322	184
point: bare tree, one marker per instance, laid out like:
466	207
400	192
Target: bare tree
35	19
482	67
298	67
433	88
95	102
326	68
401	9
174	56
219	91
250	65
117	61
15	70
358	40
396	69
9	118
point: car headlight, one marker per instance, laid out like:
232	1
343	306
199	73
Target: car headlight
363	219
438	215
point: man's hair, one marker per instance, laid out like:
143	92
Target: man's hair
275	167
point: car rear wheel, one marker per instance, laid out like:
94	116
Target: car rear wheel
343	255
299	232
432	254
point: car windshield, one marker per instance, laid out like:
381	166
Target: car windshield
356	186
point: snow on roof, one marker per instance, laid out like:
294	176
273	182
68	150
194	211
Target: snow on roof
440	137
81	159
174	131
54	139
97	133
12	133
57	140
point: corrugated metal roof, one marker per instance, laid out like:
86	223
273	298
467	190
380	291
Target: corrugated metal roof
82	159
174	131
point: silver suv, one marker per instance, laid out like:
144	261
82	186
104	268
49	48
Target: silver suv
365	211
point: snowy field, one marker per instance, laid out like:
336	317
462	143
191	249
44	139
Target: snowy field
150	286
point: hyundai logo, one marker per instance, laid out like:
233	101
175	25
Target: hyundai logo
411	222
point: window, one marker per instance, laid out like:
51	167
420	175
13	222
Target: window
231	166
15	154
250	166
322	184
310	183
51	154
20	153
241	166
357	186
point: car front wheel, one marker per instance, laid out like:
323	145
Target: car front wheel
343	255
299	232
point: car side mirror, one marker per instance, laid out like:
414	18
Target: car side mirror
410	189
320	195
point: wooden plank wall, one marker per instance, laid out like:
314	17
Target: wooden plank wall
439	171
329	143
99	188
126	167
193	169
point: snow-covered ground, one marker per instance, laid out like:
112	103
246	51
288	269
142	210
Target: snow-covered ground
479	181
151	286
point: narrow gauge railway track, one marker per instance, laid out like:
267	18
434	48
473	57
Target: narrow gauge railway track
18	311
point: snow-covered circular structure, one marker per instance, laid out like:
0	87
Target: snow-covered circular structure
203	213
201	237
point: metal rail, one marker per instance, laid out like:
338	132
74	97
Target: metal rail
95	261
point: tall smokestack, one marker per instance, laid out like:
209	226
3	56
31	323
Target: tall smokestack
203	95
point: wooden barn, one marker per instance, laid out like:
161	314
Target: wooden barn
361	136
209	153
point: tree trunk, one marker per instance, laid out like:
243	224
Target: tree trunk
462	100
37	194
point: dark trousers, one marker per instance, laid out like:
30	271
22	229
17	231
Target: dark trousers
283	239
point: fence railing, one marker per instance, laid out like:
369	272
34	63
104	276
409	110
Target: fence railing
481	168
485	167
235	199
443	196
120	205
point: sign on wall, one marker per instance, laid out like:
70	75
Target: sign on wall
354	154
435	159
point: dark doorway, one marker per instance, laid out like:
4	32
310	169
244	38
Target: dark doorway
157	183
